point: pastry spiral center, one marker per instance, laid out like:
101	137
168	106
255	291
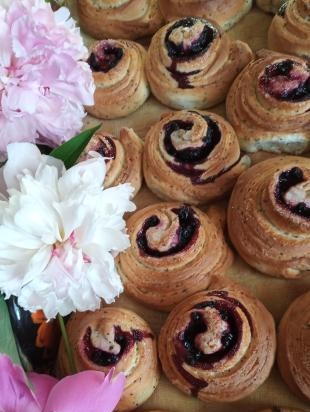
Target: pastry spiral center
190	146
107	347
105	57
286	80
212	334
293	191
218	334
106	147
160	239
180	144
188	38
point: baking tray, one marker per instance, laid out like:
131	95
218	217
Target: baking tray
275	293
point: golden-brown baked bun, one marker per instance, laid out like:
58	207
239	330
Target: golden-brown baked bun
268	104
118	72
191	63
294	346
270	6
269	216
192	157
289	31
123	157
117	338
116	19
175	249
226	13
218	345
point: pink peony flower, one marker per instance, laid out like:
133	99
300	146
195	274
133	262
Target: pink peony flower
88	391
43	82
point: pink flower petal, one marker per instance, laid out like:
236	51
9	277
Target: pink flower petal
87	391
15	393
43	384
44	85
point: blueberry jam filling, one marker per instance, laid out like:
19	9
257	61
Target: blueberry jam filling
187	159
106	148
187	350
286	80
286	181
197	46
181	78
187	233
125	340
105	59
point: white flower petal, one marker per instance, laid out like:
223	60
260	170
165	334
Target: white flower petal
21	157
59	234
88	174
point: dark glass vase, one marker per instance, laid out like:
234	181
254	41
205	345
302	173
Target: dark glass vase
37	339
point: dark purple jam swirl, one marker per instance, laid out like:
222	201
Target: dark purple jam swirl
125	340
197	47
187	159
288	179
186	350
182	52
278	79
106	148
187	233
106	58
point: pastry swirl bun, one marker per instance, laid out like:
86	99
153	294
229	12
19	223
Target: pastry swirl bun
118	71
289	31
218	345
127	19
123	157
175	249
294	346
270	6
269	216
117	338
191	63
268	104
225	13
192	157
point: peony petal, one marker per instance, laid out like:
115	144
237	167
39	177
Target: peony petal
87	391
15	393
21	157
43	384
89	173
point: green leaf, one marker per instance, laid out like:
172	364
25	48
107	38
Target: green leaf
70	151
7	339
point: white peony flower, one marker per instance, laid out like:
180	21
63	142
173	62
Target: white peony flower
59	232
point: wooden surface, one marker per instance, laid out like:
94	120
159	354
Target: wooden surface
276	294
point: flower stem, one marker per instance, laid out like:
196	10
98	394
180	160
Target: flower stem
67	344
